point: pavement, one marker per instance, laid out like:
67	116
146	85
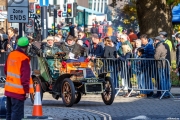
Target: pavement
91	107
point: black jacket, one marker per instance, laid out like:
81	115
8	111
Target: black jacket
75	49
94	30
3	45
110	52
168	56
178	56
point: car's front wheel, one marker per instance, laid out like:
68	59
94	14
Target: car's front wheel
68	92
109	91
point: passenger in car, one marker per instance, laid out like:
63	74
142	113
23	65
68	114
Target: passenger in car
72	49
49	52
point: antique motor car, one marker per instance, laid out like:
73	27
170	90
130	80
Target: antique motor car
74	79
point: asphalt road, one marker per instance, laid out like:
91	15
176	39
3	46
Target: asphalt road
92	107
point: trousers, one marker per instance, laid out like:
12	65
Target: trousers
15	109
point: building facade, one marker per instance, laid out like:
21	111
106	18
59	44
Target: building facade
98	5
3	14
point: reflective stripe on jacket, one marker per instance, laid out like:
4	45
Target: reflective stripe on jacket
169	44
13	80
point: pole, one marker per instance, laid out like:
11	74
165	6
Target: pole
84	19
54	21
67	18
20	30
6	27
44	22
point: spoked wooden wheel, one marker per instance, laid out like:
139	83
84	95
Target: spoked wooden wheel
109	91
68	92
32	95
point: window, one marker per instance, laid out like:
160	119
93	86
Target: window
90	5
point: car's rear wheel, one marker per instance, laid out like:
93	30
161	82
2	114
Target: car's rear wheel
77	97
68	92
32	95
109	91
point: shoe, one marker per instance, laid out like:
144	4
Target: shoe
166	97
150	94
126	95
141	96
156	96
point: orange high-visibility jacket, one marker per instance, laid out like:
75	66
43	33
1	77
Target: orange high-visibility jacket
13	79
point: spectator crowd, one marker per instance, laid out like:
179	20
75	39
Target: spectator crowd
103	43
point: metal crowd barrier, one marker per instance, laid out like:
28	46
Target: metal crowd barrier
3	57
144	75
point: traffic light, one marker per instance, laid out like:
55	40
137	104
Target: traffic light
51	10
114	3
69	8
60	13
75	9
38	9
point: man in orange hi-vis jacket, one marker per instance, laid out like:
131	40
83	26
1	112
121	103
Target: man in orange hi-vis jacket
18	80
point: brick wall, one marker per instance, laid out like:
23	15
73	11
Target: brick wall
3	2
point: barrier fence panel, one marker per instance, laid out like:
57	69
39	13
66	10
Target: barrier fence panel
3	57
144	75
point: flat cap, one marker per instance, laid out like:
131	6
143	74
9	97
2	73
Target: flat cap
158	38
70	37
163	33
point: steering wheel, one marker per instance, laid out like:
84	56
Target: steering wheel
61	54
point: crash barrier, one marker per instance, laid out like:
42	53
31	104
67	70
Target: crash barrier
3	57
3	107
144	75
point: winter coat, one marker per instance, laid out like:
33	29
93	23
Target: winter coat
110	52
3	45
74	48
11	42
94	30
120	51
168	56
148	50
160	53
71	30
178	56
169	44
50	51
118	45
96	52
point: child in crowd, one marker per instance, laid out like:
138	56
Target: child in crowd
138	67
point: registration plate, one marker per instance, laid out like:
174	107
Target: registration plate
93	88
92	80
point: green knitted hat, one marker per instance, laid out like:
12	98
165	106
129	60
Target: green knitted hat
23	42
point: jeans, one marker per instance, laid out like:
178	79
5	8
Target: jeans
15	109
146	77
141	82
114	76
126	74
164	83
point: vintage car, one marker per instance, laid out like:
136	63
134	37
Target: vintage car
74	79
